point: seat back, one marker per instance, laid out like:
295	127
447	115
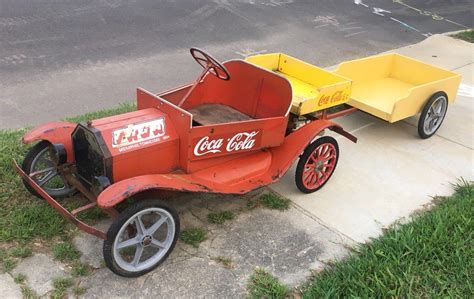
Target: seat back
252	90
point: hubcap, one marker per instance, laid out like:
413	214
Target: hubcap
319	166
147	240
144	239
435	115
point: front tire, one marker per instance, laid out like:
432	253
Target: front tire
38	160
317	164
432	115
141	238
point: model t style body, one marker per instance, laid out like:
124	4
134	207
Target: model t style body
238	127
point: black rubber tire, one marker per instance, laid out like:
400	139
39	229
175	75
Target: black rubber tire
114	229
27	164
304	157
426	108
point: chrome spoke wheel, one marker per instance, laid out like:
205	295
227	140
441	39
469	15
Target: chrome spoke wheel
435	115
144	239
432	115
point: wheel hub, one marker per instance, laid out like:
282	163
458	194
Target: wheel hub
146	240
318	167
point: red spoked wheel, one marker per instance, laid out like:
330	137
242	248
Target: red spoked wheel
317	164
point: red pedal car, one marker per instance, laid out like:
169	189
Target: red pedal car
231	131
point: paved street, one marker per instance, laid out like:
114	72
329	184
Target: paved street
63	58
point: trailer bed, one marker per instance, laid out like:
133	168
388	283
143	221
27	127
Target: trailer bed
394	87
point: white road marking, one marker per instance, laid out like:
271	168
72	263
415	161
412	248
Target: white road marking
319	26
355	33
349	28
380	11
329	20
428	13
246	52
359	2
410	27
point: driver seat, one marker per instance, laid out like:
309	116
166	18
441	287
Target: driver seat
208	114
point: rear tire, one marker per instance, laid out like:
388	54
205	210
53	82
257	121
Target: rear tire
142	237
317	164
432	115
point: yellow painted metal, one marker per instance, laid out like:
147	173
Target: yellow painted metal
313	88
393	86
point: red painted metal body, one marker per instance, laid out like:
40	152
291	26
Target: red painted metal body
237	176
161	146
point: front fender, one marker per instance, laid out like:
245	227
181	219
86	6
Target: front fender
54	132
122	190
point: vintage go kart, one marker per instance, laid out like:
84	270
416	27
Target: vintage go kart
238	127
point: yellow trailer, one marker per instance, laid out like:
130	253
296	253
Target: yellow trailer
389	86
394	87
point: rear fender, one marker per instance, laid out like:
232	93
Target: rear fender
296	142
122	190
309	132
54	132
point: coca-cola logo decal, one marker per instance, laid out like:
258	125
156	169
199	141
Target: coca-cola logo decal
237	142
141	133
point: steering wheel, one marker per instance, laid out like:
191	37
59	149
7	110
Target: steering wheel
210	64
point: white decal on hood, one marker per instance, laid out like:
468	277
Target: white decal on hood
135	133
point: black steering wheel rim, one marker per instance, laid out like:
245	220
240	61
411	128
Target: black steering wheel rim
210	63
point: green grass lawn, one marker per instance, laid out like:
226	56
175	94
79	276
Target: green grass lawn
467	35
432	256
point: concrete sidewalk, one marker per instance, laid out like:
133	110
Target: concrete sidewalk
390	172
386	176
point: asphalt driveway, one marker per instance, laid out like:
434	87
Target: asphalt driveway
63	58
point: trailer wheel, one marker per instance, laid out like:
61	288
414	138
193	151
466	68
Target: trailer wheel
38	161
141	238
432	115
317	164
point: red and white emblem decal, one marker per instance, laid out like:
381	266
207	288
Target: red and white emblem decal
136	133
238	142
